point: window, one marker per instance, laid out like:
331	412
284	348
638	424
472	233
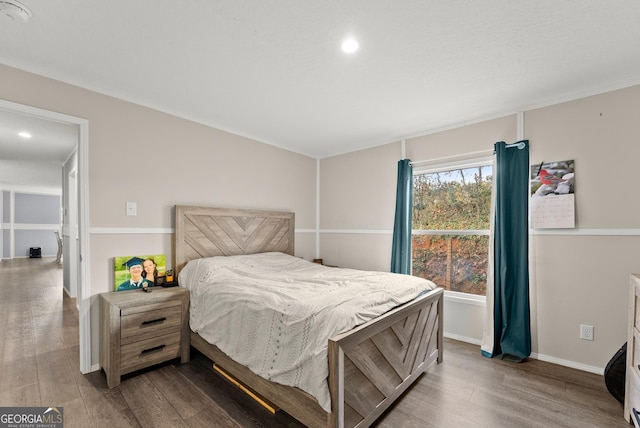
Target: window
451	221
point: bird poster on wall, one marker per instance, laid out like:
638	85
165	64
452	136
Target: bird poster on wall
552	195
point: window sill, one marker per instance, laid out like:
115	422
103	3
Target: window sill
468	299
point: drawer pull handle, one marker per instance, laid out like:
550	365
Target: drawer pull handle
159	320
150	350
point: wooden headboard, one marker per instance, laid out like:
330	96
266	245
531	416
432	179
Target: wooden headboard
208	231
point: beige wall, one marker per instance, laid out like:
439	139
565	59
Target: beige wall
583	278
357	189
577	276
473	138
157	160
601	134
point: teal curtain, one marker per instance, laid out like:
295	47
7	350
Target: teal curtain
511	335
401	246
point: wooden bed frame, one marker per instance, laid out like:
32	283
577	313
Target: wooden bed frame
369	366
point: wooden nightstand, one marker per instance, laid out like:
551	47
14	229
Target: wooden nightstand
139	329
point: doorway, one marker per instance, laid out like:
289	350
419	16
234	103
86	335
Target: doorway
77	256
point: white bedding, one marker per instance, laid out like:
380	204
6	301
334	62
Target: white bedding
274	313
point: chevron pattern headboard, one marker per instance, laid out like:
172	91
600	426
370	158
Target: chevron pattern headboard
208	231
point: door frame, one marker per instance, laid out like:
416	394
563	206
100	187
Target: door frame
72	230
83	258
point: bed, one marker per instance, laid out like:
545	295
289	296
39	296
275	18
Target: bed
369	366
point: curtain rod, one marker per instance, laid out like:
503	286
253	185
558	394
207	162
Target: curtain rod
454	158
472	155
518	144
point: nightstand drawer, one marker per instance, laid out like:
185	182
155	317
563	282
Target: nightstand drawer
144	353
150	322
637	312
635	365
632	379
634	395
138	330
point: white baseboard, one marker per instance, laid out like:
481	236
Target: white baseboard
570	364
471	340
536	356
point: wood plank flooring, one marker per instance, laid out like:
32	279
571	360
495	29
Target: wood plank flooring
40	367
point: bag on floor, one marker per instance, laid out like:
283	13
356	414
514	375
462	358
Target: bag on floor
614	373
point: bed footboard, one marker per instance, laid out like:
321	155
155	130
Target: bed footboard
369	366
372	365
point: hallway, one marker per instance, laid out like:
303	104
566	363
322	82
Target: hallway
39	336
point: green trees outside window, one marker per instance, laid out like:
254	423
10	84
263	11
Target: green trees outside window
451	221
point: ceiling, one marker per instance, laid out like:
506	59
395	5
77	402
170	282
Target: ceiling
50	141
273	70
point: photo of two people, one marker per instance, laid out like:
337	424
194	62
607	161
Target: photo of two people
136	272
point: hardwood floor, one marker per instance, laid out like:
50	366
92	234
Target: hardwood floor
40	367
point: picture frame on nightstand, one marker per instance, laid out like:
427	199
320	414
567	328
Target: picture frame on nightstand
138	271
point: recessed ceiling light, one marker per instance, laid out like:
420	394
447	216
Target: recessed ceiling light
14	10
24	134
350	45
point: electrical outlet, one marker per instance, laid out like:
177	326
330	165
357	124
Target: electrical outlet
586	332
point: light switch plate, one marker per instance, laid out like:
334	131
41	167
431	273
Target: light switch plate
132	208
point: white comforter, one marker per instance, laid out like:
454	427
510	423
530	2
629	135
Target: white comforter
274	313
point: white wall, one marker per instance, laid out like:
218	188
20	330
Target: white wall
41	177
29	220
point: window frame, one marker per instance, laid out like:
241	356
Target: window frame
442	165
